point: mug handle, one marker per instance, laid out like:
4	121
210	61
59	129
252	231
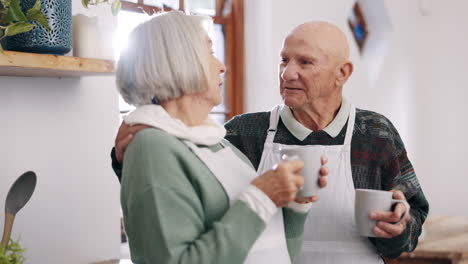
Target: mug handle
407	207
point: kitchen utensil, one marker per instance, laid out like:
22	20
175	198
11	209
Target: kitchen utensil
18	195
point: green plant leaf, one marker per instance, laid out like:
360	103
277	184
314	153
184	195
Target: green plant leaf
12	254
5	3
39	17
4	19
85	3
1	51
116	6
37	5
18	28
15	13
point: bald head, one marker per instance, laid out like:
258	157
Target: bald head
326	36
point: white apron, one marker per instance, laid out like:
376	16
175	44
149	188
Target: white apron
330	233
235	176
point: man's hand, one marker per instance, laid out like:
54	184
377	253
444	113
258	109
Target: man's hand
386	226
322	182
124	137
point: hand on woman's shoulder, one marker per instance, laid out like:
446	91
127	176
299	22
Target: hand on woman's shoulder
154	142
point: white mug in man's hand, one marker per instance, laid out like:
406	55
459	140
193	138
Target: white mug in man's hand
368	201
311	156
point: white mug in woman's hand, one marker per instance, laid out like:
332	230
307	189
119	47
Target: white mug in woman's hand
311	171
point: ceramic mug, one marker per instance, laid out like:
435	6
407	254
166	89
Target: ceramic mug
373	200
311	171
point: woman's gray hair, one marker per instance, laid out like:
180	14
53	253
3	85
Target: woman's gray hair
167	57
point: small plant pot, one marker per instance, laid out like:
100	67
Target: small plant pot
57	41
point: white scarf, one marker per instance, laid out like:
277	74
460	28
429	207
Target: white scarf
209	133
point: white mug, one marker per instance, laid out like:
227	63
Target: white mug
373	200
312	164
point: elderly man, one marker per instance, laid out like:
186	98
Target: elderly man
364	148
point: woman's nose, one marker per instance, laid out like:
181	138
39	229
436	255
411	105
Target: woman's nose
222	67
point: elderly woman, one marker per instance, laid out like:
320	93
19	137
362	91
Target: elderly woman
188	195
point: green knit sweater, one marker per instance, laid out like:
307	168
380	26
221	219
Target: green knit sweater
175	210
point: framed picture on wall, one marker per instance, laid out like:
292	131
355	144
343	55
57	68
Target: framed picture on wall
358	25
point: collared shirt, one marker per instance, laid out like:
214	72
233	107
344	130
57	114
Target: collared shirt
301	132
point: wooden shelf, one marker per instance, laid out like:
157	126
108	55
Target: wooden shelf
14	63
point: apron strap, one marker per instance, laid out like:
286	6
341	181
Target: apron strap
191	146
274	119
350	127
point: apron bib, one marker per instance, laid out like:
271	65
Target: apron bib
330	233
235	176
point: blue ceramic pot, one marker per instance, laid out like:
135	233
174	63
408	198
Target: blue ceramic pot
56	41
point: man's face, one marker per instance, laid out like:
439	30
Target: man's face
306	73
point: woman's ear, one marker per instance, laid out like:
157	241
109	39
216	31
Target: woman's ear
344	71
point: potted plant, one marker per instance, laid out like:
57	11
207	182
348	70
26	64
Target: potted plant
12	254
116	5
13	21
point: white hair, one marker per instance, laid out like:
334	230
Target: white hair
167	57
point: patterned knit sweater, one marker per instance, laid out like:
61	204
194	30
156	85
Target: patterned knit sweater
378	159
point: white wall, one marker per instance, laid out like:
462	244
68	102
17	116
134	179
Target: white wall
260	62
440	70
420	87
62	129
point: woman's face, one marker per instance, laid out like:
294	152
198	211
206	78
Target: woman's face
214	80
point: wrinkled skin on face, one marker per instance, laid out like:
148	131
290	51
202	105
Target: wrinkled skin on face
313	69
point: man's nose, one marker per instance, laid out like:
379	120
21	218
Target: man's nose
289	72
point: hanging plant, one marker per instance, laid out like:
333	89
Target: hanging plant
116	5
12	254
13	21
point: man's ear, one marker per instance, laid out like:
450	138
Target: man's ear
344	71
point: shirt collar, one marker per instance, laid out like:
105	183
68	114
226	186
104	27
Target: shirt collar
301	132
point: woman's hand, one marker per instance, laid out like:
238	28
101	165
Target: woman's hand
282	183
322	182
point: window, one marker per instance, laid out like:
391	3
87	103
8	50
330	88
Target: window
228	41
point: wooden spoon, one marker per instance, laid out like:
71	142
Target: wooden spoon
18	195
